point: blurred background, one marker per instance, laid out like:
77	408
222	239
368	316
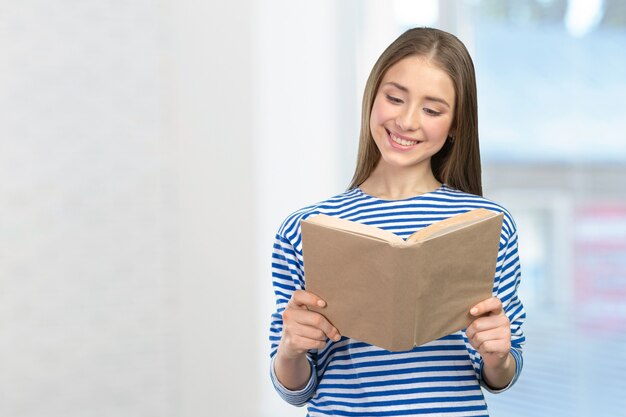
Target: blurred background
149	150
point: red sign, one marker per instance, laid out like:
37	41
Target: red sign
600	266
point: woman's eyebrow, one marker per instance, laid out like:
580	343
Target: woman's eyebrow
406	90
398	86
438	100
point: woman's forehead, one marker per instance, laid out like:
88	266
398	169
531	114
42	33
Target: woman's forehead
419	75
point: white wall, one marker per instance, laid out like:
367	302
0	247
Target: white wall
149	152
213	127
127	231
296	139
88	309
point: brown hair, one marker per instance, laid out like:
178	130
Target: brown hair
458	162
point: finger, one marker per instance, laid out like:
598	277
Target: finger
499	347
303	343
487	323
310	332
313	319
301	298
479	339
491	305
320	322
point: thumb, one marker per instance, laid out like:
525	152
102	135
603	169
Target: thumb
304	299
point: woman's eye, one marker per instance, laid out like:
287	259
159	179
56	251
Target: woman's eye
393	99
431	112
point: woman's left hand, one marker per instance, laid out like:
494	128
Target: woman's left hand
490	332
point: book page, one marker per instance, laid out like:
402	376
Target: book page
354	228
451	224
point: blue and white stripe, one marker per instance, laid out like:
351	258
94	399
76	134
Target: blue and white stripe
352	378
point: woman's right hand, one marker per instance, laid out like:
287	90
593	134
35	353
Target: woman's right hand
304	329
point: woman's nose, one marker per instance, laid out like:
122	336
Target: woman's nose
408	120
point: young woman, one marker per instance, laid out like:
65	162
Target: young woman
418	163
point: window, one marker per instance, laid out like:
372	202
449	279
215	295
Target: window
551	85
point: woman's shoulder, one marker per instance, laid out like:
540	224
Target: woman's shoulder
334	205
472	201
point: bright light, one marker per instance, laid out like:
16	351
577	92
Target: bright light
583	16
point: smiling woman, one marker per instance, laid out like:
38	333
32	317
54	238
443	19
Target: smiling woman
436	76
409	174
410	121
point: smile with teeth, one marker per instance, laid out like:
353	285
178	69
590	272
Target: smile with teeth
402	141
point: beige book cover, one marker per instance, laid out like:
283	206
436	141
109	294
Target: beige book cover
398	294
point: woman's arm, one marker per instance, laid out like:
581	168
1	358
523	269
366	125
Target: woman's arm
292	368
490	335
498	321
303	330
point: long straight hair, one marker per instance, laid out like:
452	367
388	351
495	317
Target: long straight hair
457	164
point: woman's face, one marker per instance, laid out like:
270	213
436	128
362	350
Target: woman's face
412	112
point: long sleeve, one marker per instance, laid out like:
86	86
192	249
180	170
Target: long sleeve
287	277
354	378
506	283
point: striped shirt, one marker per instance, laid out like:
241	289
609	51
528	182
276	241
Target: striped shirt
352	378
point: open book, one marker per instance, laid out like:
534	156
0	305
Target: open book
398	294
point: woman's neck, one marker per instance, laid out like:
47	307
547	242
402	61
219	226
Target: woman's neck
392	183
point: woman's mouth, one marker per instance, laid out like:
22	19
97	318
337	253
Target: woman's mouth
400	142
